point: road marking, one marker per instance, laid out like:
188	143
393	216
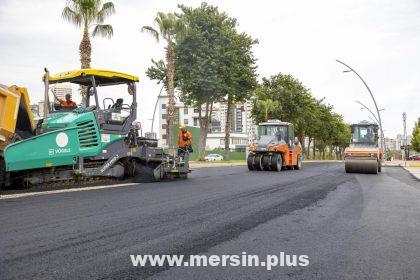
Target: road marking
20	195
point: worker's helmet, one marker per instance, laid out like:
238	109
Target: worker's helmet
182	126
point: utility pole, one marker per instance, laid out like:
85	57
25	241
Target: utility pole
404	115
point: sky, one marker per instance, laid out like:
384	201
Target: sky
380	39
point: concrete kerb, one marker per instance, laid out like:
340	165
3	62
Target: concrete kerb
411	166
198	164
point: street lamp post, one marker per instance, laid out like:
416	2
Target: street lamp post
405	137
154	111
370	111
374	101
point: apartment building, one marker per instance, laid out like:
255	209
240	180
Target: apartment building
242	125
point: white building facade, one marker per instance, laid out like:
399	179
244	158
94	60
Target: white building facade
60	90
243	129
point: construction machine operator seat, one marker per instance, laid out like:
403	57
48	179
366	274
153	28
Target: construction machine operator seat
280	135
117	106
117	114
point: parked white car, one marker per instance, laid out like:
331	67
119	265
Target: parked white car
213	157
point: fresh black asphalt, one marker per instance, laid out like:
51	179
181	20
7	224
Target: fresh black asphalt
352	226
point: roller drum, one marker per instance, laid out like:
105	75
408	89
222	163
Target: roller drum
366	166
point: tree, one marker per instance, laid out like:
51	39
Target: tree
240	78
323	128
415	142
284	97
200	61
266	106
171	29
89	14
293	102
389	154
339	135
310	124
158	72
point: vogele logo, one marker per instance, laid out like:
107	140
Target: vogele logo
62	140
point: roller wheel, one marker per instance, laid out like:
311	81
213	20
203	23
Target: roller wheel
298	165
250	162
266	162
276	162
347	167
258	163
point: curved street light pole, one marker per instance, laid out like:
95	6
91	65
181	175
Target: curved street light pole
374	101
372	119
370	111
154	112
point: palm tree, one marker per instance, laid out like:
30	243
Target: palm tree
89	14
267	106
172	29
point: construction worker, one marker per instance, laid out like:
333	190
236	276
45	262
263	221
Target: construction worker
67	102
184	141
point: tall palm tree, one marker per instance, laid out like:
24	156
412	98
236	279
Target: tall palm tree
172	29
89	14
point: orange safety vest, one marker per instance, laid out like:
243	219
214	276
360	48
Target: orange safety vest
64	103
181	142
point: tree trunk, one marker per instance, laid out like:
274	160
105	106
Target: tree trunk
201	123
171	93
204	126
309	147
228	126
301	139
85	49
314	149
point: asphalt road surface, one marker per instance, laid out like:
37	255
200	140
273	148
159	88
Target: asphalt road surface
351	226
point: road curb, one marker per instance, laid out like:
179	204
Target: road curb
221	164
415	171
213	164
